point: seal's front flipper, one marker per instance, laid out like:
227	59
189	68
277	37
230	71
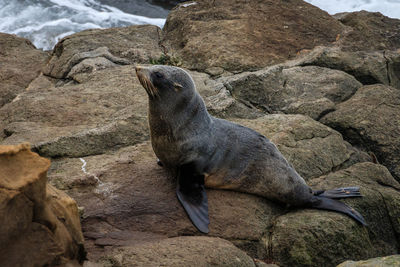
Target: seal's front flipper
342	192
324	203
192	195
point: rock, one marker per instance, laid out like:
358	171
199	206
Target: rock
245	35
387	261
370	31
322	238
313	148
21	62
106	110
139	196
371	119
182	251
35	218
310	90
368	67
121	46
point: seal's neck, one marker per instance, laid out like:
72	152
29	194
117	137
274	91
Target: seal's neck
179	116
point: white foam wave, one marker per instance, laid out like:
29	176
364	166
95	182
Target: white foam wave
44	22
390	8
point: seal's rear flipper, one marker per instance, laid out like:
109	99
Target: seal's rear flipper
323	203
342	192
192	195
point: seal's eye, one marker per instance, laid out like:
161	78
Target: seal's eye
158	74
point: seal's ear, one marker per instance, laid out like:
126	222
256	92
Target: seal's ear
177	87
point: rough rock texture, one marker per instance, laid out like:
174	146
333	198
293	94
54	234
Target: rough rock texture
20	63
313	148
315	238
371	119
39	224
370	32
139	196
121	46
203	251
88	112
368	67
108	109
310	90
245	35
389	261
135	201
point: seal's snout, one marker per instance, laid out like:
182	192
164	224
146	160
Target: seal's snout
143	75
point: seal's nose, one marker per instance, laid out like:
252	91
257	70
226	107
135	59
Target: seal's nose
138	68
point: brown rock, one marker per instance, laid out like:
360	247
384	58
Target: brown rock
370	31
107	109
139	196
388	261
182	251
95	49
368	67
371	119
21	62
245	35
40	224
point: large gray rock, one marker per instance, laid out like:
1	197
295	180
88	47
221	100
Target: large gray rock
245	35
371	119
310	90
20	63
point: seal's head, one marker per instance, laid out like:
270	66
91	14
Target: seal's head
162	82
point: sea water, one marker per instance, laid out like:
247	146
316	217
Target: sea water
45	22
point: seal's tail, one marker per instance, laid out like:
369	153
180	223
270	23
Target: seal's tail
324	203
342	192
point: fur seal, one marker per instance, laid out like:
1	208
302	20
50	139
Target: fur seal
204	151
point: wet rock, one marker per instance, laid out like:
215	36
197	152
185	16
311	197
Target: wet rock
21	62
245	35
316	238
311	90
370	119
36	219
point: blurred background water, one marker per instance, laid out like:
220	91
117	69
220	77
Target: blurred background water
45	22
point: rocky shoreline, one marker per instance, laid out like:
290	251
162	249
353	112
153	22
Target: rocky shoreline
325	89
